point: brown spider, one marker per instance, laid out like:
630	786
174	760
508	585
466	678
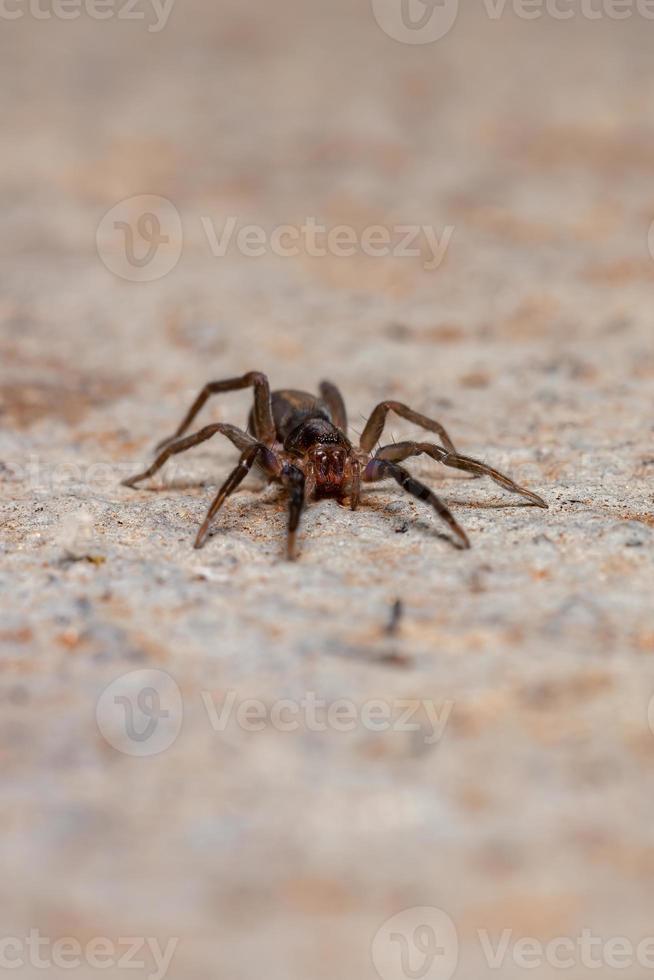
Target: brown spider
300	441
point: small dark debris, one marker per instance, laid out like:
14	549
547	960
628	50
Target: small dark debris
395	659
397	611
70	559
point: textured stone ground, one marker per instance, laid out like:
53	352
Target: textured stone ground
281	853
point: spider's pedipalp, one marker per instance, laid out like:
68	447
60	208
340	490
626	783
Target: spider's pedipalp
293	481
355	482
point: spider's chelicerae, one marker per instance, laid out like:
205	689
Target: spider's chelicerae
300	441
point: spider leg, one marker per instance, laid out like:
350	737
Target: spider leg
335	403
383	469
236	477
403	450
263	423
293	480
240	439
375	424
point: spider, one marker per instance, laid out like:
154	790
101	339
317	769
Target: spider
300	441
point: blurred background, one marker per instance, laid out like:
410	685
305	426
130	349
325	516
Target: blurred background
481	179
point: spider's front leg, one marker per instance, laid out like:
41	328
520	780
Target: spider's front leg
375	425
291	478
257	452
382	469
399	451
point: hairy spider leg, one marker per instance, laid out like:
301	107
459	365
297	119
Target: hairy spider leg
382	469
399	451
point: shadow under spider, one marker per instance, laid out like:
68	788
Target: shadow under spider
489	504
177	485
368	499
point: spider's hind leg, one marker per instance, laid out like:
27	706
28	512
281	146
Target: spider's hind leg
239	438
335	403
264	425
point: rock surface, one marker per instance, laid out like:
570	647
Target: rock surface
276	838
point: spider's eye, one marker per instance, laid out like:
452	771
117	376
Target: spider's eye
328	464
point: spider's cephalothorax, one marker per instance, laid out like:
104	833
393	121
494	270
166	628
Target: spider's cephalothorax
324	454
300	441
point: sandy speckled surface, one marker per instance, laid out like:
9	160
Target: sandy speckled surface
281	853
